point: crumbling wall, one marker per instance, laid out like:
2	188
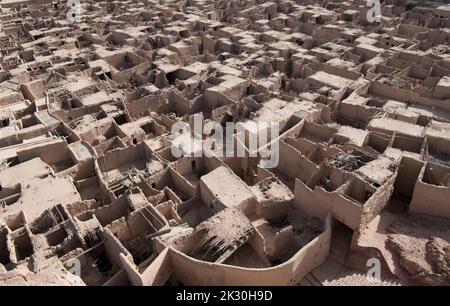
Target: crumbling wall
431	195
377	201
318	203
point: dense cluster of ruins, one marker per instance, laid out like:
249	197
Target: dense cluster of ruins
91	192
